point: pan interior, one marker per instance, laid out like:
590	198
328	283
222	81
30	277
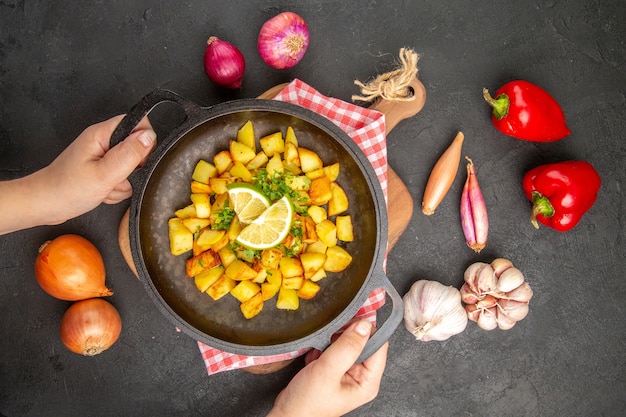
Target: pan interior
168	190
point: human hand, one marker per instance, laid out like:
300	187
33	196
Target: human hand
84	175
333	385
88	173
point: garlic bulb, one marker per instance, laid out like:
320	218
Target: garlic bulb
495	294
433	311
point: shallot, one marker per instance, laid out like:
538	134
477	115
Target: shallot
474	211
283	40
442	176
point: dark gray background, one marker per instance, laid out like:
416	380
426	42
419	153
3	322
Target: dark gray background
65	65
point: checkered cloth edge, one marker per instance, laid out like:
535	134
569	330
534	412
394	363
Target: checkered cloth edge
367	129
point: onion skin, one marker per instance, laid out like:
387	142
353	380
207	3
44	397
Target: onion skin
71	268
283	40
442	176
89	327
224	63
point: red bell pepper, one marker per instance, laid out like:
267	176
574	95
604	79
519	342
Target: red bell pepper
561	193
526	111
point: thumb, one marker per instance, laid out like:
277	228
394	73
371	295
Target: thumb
344	352
122	159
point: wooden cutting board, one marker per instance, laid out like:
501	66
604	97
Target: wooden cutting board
399	205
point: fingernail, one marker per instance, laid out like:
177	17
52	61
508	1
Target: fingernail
363	328
147	138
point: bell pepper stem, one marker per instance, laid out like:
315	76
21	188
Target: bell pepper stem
499	104
541	205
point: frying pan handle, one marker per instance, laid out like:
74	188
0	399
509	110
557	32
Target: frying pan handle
384	332
145	106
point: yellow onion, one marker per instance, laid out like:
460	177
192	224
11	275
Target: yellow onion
71	268
89	327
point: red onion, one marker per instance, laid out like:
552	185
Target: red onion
283	40
224	63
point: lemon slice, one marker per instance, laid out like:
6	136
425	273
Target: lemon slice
270	228
247	200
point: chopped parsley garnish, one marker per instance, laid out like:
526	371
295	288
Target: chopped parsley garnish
274	187
251	253
290	252
248	253
223	218
297	229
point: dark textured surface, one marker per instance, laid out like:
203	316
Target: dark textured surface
65	65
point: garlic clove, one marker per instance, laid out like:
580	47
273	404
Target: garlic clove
500	265
504	321
467	295
470	274
486	280
510	279
514	309
488	301
523	293
473	312
487	319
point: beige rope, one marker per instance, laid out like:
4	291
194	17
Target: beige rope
393	85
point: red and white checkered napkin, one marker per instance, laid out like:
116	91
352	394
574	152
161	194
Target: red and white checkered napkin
367	129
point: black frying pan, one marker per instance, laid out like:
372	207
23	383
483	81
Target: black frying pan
161	186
